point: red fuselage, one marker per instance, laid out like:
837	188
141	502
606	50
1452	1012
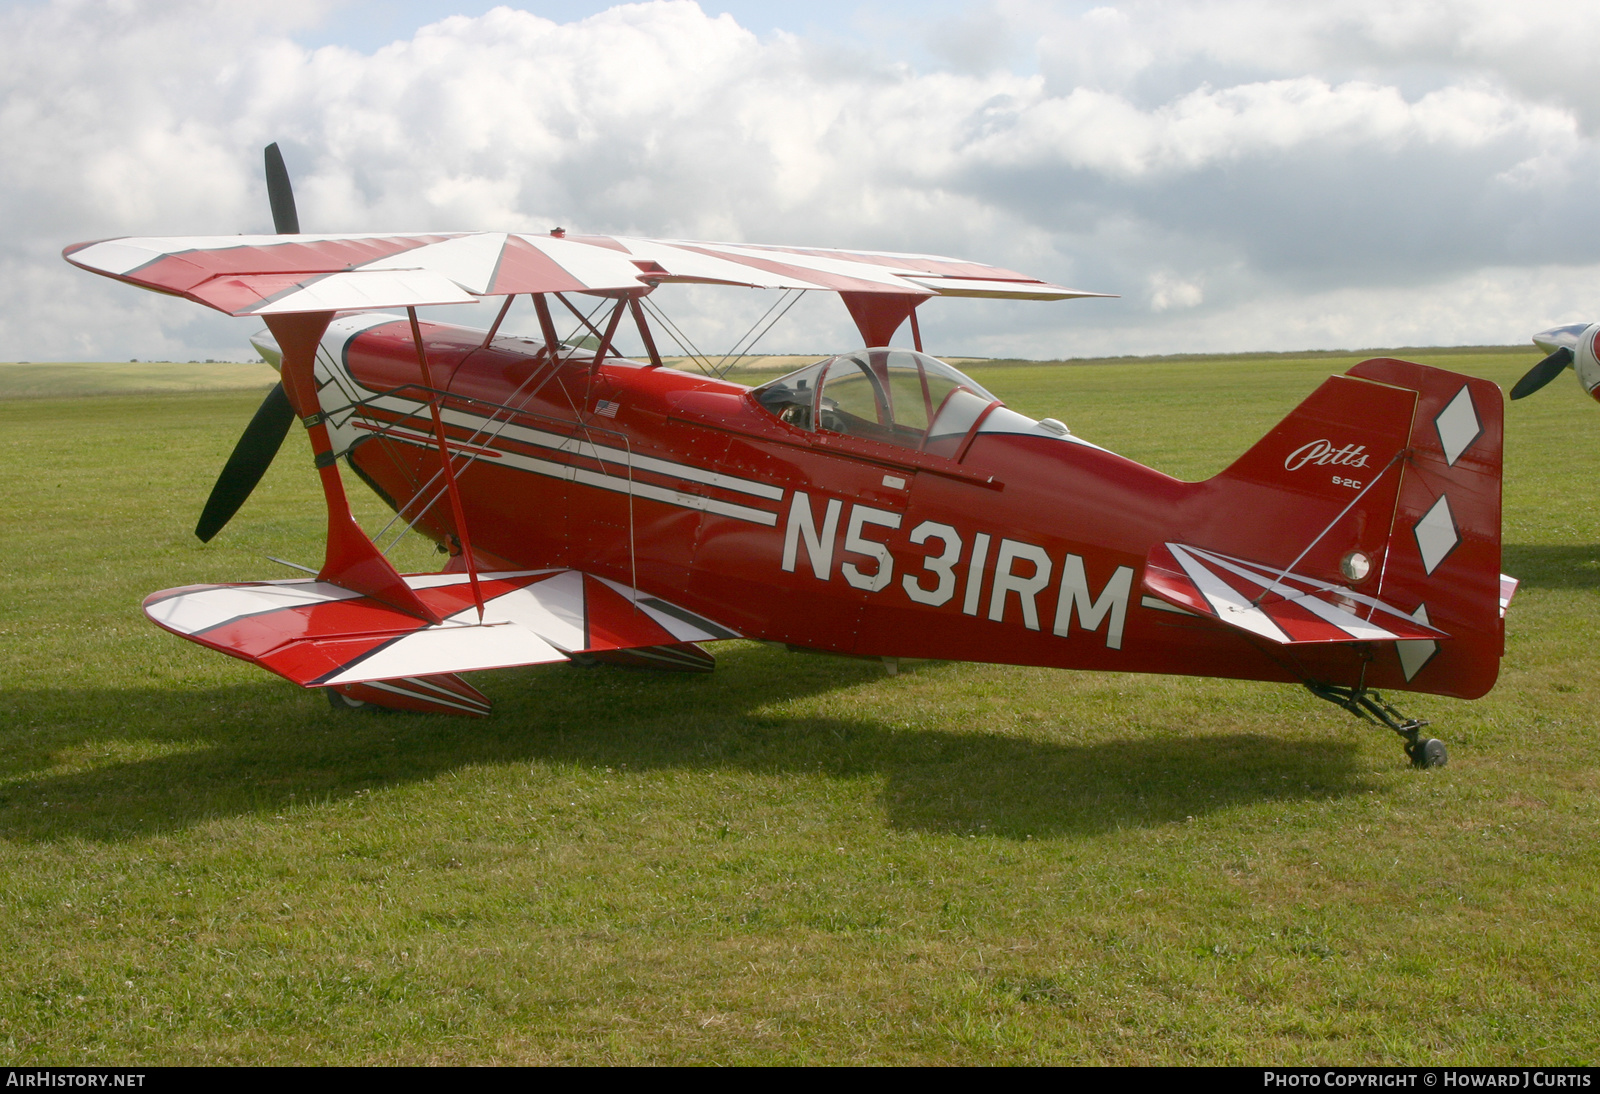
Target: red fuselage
1022	547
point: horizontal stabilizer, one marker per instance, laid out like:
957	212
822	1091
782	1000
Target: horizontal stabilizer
318	634
1274	604
1508	589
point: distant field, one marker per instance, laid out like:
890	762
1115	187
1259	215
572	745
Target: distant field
797	859
30	380
39	381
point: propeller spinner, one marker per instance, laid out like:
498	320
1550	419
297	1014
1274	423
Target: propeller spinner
264	435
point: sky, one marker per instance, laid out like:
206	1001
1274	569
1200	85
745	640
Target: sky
1243	174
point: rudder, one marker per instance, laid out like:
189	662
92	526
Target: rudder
1443	563
1383	486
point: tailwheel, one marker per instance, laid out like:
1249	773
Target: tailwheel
1369	706
1429	752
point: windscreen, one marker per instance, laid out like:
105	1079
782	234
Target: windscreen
894	396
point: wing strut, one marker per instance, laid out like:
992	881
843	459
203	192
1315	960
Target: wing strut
605	339
351	561
488	339
644	330
447	462
879	314
547	328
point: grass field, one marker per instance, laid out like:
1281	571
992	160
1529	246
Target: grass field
25	380
797	859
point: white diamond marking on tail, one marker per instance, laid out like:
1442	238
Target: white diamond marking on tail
1458	426
1436	534
1415	654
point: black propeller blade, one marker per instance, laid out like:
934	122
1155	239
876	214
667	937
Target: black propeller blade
250	460
285	220
1542	373
264	435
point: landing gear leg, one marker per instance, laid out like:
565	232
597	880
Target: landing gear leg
1369	706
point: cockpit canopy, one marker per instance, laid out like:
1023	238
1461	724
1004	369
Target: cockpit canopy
893	396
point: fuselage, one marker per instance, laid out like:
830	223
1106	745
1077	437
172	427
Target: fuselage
1020	544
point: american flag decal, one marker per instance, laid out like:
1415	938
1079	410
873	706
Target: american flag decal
606	408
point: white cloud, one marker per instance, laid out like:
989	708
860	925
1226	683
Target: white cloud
1167	291
1247	174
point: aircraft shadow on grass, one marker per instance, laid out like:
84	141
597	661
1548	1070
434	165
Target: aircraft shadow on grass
1552	566
259	748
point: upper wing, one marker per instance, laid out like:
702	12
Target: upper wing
274	274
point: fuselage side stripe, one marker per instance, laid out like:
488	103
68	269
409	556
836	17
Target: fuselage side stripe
619	485
600	453
554	442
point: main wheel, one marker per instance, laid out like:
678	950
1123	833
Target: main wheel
342	702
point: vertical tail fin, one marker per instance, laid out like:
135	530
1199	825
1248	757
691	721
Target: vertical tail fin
1378	497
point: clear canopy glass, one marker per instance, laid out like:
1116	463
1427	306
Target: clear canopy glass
894	396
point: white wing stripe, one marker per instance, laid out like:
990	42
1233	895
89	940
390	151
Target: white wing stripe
1353	625
437	650
444	698
192	613
468	260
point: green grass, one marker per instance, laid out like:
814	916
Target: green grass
798	858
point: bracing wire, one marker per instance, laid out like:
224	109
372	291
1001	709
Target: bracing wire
429	494
685	344
754	336
431	491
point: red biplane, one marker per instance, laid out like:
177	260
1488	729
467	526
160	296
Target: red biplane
878	503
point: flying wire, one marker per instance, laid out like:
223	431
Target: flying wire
753	336
481	437
685	344
469	458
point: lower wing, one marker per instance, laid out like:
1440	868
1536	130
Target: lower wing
321	635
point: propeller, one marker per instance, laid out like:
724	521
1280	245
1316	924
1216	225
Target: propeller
1569	346
251	457
264	435
1542	373
285	221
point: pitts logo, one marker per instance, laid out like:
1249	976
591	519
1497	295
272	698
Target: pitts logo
1323	453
